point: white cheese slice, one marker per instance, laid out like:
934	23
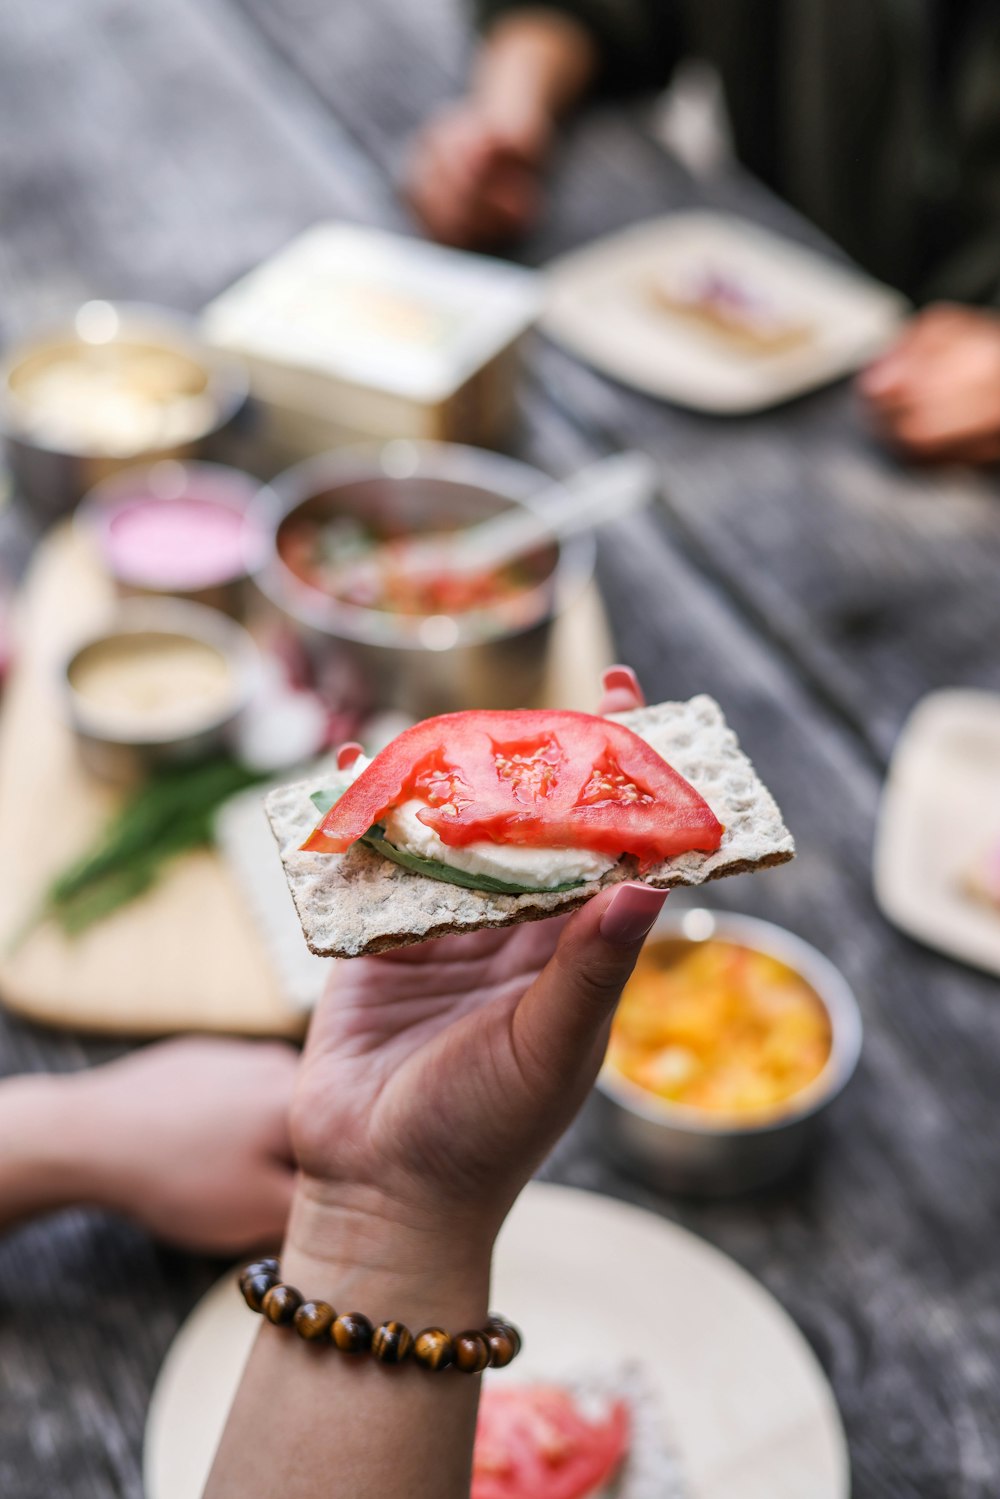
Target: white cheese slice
515	863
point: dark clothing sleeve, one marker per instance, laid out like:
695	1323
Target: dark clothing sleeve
877	119
639	41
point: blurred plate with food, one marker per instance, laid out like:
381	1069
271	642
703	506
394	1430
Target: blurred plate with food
665	1349
716	314
937	851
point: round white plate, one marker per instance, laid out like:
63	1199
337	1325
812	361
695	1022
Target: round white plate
592	1283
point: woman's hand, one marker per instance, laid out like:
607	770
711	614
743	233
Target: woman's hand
474	173
436	1078
433	1081
188	1138
936	393
474	180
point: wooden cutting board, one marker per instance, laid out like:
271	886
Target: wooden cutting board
185	956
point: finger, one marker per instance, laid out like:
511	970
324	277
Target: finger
348	753
560	1026
622	692
891	386
884	374
928	444
886	379
886	398
943	419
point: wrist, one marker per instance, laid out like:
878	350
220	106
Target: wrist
535	66
363	1252
41	1169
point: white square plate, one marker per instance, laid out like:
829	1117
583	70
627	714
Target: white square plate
940	814
601	305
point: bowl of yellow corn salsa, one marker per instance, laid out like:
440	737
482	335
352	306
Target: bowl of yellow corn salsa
732	1040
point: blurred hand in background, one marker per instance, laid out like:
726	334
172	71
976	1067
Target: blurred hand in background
475	180
189	1138
474	173
935	394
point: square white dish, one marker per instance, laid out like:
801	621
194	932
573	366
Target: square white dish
601	304
351	332
939	816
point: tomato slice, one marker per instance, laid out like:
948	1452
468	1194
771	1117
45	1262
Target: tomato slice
555	779
533	1442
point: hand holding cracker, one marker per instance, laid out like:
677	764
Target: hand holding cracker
437	1076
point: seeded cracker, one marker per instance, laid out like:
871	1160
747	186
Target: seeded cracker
358	902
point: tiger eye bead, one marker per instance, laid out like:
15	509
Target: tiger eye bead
509	1331
433	1348
259	1267
352	1333
472	1352
392	1343
280	1304
502	1349
313	1320
256	1288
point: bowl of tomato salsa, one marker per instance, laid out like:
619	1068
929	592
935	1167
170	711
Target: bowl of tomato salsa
732	1042
432	644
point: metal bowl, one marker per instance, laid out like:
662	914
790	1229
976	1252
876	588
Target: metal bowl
165	482
683	1149
121	752
54	476
421	665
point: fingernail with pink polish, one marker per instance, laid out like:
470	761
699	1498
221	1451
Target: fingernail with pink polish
631	914
621	676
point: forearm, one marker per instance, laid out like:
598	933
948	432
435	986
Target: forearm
312	1422
40	1165
532	68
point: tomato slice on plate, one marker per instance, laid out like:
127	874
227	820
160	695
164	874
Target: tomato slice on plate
534	1442
551	779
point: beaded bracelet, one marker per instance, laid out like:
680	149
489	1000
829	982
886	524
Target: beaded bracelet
494	1347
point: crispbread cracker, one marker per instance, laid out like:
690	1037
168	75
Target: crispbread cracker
359	902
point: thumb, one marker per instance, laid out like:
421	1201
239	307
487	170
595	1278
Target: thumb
562	1020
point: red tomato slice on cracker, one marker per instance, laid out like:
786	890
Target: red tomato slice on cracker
534	1442
544	779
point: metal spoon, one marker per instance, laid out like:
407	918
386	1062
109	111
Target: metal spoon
605	491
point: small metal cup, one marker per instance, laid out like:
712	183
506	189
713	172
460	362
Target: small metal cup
123	755
54	478
682	1149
